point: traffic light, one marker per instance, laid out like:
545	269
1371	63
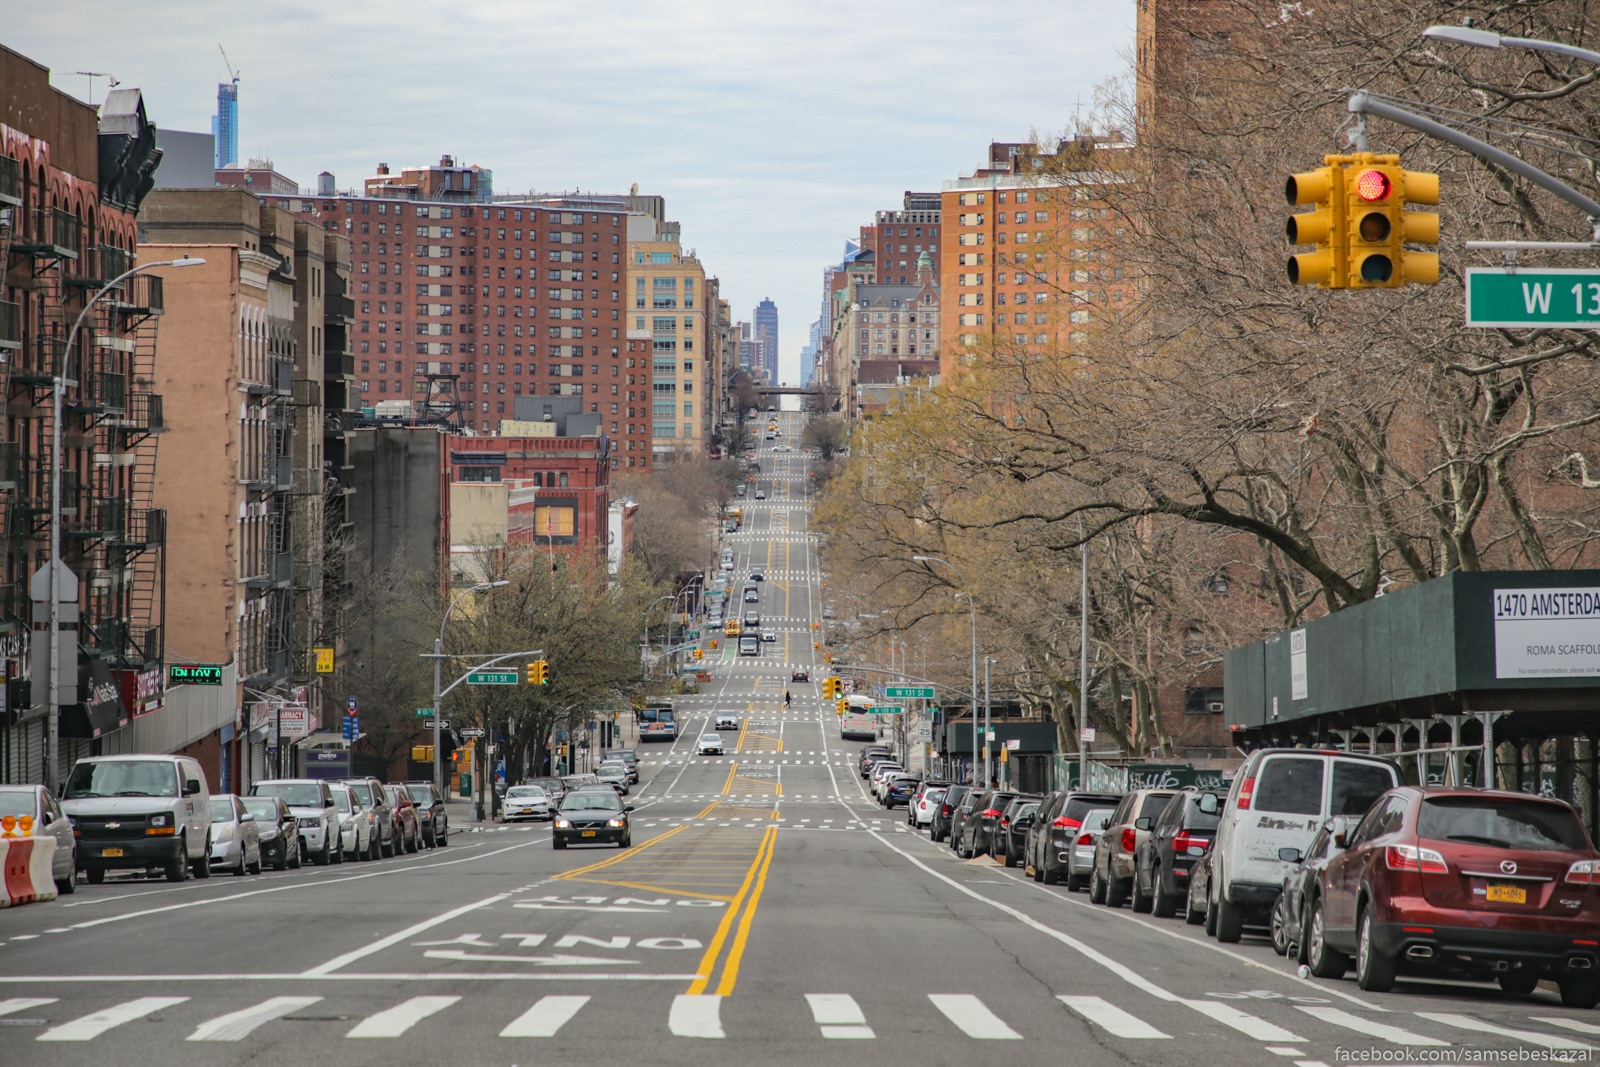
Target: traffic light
539	672
1380	226
421	753
1323	226
842	705
699	654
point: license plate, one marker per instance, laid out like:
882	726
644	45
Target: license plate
113	852
588	833
1507	894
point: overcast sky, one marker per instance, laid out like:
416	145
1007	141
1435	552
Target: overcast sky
774	128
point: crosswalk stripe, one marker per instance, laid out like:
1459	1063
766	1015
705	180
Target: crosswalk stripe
973	1017
1568	1024
1367	1027
238	1025
392	1022
839	1016
1532	1037
1110	1018
696	1015
17	1004
94	1024
547	1016
1245	1023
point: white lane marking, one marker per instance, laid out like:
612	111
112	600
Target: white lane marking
1568	1024
696	1015
839	1016
1245	1023
392	1022
238	1025
16	1004
547	1016
973	1017
1112	1019
1532	1037
1340	1017
411	931
1284	1050
300	977
93	1025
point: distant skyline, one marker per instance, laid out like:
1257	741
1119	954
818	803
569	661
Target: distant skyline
773	131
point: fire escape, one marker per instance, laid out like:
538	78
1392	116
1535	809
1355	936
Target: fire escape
280	539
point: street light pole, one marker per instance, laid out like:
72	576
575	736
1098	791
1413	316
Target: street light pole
1083	660
438	659
973	604
1489	39
58	391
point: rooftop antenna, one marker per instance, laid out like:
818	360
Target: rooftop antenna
92	75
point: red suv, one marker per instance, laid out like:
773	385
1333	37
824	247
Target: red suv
1473	883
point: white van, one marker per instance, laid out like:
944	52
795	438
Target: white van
140	812
750	645
1279	799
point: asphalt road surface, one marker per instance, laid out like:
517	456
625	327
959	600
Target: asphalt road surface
768	912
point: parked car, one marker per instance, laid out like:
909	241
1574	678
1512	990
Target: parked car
898	790
1182	833
408	828
615	773
881	774
592	817
527	802
978	831
355	825
920	812
1011	836
380	811
235	839
34	802
1470	883
1057	830
626	755
710	745
278	831
1279	799
1290	912
552	787
311	800
727	720
959	817
432	815
871	754
1111	879
939	829
1080	857
140	812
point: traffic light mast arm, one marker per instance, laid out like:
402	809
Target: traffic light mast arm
1361	103
486	663
900	675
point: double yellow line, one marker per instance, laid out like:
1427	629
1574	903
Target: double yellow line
737	920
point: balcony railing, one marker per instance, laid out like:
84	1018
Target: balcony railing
48	233
145	413
99	266
143	294
10	181
10	325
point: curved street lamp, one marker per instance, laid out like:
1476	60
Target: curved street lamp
973	604
438	658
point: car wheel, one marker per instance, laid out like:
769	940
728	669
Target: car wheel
389	848
429	841
177	868
1097	887
1230	920
1375	971
1116	894
1162	905
1192	916
94	875
1211	918
626	842
1142	903
1074	883
258	865
1519	983
1010	860
325	855
280	859
68	885
1048	876
444	837
412	844
1325	960
1579	991
244	865
1280	925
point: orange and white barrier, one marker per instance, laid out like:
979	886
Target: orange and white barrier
27	864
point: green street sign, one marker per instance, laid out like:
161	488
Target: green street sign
918	692
1533	298
492	678
885	709
424	713
193	674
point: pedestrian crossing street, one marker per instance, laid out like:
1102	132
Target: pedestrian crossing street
828	1016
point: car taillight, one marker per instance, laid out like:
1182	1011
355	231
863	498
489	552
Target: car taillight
1182	841
1245	792
1085	839
944	809
1067	823
1412	858
1004	823
1130	837
1584	872
989	813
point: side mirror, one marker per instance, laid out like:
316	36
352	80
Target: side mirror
1289	855
627	807
1341	840
1209	804
191	787
1143	823
1105	822
247	817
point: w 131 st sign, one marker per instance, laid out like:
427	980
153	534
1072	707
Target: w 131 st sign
1525	299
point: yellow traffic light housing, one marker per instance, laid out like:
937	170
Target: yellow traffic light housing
698	654
421	753
539	672
1418	227
1360	225
1373	199
842	705
1323	227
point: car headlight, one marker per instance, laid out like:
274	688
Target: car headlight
616	822
160	820
564	824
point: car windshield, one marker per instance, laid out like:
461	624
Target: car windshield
221	809
591	802
526	792
614	768
135	778
363	791
711	737
18	802
1151	808
422	794
294	794
1500	823
262	807
341	800
1091	819
933	796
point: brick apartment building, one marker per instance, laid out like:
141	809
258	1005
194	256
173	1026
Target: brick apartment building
897	238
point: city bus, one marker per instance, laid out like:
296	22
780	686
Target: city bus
856	724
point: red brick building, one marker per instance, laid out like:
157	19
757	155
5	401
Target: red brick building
560	487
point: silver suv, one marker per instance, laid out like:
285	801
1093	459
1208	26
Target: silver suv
375	802
311	800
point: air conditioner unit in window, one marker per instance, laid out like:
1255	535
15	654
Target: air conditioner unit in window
1214	707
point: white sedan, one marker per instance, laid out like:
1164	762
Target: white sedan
727	720
711	745
769	635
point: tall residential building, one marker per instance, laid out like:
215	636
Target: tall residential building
225	124
1028	258
71	184
886	338
463	305
668	311
766	322
898	238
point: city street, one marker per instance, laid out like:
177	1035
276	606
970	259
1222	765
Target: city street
768	911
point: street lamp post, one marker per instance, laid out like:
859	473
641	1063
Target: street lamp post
988	756
438	659
973	604
1489	39
58	391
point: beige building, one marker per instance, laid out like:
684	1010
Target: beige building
667	307
885	341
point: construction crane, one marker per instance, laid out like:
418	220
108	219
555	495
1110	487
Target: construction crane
225	62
